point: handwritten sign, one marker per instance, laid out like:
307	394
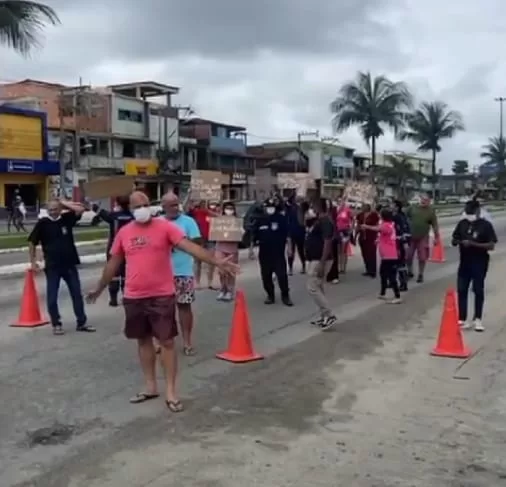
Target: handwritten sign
206	185
300	181
109	187
226	229
360	192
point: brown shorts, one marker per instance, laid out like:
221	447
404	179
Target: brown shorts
421	246
151	317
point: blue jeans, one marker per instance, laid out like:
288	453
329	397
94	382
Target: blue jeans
471	273
71	278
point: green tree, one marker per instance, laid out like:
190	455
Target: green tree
427	126
494	153
371	104
460	167
22	23
399	172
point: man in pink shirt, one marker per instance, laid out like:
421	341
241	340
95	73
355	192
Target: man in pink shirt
145	245
344	225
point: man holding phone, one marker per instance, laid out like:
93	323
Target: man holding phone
475	237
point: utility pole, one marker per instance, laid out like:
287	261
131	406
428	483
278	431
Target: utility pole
501	101
315	133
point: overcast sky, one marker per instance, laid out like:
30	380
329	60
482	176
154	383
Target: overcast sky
275	65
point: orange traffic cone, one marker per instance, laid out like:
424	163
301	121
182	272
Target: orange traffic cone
29	312
438	252
450	342
349	250
240	346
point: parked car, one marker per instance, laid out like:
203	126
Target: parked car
88	219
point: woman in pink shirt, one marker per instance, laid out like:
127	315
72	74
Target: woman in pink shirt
344	225
389	255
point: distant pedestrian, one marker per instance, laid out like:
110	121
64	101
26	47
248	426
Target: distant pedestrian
422	218
344	224
116	219
403	234
183	268
230	251
150	294
271	233
475	237
367	239
296	231
55	234
320	231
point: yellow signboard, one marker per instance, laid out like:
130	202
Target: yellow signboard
21	137
140	167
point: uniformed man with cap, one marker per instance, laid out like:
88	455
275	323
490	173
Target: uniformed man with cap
116	219
271	233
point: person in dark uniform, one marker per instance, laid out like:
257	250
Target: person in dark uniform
403	232
116	219
271	233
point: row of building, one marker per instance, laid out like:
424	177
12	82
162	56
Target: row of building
54	136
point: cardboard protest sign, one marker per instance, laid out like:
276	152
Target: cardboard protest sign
109	187
301	182
206	185
226	229
360	192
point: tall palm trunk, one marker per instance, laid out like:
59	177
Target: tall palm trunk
372	170
433	176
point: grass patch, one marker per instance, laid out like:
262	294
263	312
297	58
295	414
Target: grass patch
17	240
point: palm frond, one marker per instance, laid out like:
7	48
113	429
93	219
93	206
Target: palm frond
22	23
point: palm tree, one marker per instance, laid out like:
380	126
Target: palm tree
399	172
371	104
428	125
494	153
21	23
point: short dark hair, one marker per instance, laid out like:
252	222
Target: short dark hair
471	207
387	215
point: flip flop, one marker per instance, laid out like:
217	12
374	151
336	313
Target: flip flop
142	397
189	351
174	406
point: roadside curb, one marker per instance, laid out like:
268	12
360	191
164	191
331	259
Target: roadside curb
88	243
17	270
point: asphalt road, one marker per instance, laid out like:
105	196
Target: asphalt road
361	406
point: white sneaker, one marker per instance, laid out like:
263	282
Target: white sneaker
478	325
395	301
221	296
335	281
228	297
464	325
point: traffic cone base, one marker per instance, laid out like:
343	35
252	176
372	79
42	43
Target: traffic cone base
240	345
450	342
236	359
29	312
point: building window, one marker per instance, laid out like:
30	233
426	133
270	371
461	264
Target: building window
129	116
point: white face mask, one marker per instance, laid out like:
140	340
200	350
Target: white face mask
310	213
270	210
229	212
142	215
470	218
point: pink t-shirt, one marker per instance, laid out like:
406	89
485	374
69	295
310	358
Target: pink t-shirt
146	249
344	218
387	241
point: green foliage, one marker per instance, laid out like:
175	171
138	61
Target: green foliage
22	23
460	167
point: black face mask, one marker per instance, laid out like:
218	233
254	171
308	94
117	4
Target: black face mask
310	222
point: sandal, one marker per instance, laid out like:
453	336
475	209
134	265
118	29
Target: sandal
142	397
86	329
189	351
174	406
58	330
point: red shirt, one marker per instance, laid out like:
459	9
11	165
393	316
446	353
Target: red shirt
203	218
146	249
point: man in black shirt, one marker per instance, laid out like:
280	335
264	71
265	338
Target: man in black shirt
475	237
116	219
318	249
54	234
271	232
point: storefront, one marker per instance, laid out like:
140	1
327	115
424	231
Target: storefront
24	164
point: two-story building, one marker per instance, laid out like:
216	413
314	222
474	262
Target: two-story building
223	147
